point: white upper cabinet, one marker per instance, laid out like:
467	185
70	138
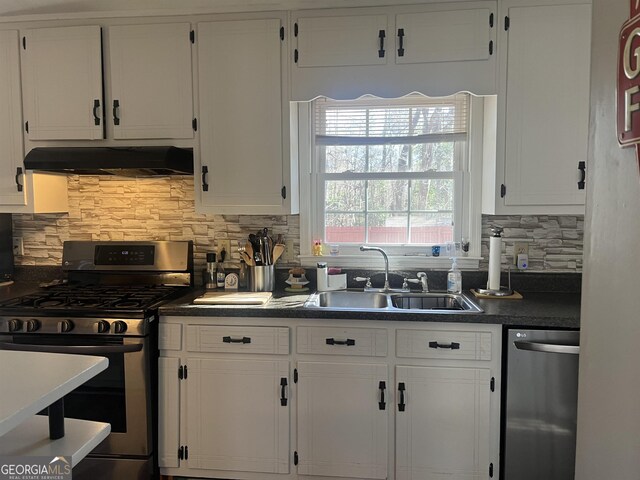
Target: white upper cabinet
11	149
543	112
342	41
449	36
151	88
20	192
63	83
435	49
243	165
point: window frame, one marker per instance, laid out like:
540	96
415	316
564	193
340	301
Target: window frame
467	223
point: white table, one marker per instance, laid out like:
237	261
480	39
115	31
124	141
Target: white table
33	381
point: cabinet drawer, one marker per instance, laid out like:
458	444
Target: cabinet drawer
443	344
232	339
371	342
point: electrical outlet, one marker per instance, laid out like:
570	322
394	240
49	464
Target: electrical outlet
226	246
18	246
289	254
518	248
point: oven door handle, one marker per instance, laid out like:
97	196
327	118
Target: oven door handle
81	349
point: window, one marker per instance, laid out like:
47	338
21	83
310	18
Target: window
393	173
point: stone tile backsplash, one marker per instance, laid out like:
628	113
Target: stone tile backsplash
119	208
555	242
163	208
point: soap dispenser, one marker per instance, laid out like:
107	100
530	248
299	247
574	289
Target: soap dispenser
454	278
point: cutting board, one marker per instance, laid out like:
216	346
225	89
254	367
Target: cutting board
233	298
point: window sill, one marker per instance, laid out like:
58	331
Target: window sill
403	262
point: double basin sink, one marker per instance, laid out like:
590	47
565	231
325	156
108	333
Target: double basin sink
380	301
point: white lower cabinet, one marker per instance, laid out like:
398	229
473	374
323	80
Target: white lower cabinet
234	415
372	400
442	423
342	422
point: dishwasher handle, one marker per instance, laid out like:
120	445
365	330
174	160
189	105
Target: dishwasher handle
547	347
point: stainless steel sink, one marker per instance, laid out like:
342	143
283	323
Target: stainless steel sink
435	301
407	302
352	300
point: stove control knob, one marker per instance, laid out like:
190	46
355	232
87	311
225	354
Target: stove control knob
15	325
102	326
65	326
33	325
119	326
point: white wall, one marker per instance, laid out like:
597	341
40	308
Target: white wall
609	391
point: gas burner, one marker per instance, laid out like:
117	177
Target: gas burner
48	302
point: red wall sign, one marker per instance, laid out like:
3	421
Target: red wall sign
628	95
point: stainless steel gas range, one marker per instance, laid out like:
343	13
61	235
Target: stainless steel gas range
107	306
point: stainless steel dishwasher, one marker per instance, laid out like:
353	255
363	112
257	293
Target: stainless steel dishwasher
539	436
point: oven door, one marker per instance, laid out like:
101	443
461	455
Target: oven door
120	395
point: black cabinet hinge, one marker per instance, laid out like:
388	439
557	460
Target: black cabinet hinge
192	36
582	166
281	33
26	126
491	470
491	47
492	384
491	20
194	124
295	29
182	372
295	458
295	375
205	180
24	43
507	24
283	192
295	55
503	190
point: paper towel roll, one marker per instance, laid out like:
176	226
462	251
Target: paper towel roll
495	252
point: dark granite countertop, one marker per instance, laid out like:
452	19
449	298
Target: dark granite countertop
555	310
536	309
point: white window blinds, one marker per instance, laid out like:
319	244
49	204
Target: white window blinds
412	120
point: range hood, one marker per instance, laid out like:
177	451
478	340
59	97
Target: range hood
123	161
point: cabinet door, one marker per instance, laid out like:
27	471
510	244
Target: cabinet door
342	41
63	83
547	104
442	432
151	88
236	419
168	412
239	76
11	148
342	426
443	36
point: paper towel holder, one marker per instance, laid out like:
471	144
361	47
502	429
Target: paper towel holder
501	291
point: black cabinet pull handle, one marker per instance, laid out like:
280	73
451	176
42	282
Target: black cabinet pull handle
18	174
348	342
236	340
452	345
401	42
401	404
116	106
283	386
96	109
381	404
381	35
205	184
582	167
